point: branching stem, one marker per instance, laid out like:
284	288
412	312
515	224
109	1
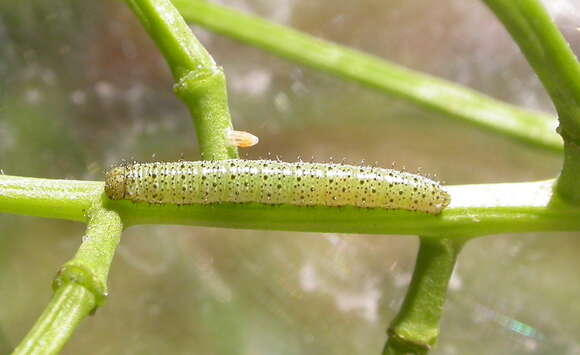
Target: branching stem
80	286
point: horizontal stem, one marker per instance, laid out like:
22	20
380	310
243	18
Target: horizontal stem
436	95
474	210
61	199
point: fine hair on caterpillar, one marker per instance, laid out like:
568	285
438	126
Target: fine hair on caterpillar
273	182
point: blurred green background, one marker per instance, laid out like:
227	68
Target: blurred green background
82	88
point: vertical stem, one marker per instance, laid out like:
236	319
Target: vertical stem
199	82
201	85
568	185
416	327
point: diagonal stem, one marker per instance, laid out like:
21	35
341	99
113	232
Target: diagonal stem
80	286
430	93
199	82
69	305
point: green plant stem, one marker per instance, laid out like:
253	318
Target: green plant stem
69	305
66	199
475	210
568	186
90	266
415	329
80	286
199	82
559	71
436	95
547	52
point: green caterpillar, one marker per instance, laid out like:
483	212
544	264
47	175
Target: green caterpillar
273	182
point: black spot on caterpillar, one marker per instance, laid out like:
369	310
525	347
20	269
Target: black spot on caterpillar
274	182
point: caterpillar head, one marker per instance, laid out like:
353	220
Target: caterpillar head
115	183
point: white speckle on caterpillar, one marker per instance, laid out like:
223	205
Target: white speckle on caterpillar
274	182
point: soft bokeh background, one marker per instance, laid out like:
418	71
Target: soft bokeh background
82	88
